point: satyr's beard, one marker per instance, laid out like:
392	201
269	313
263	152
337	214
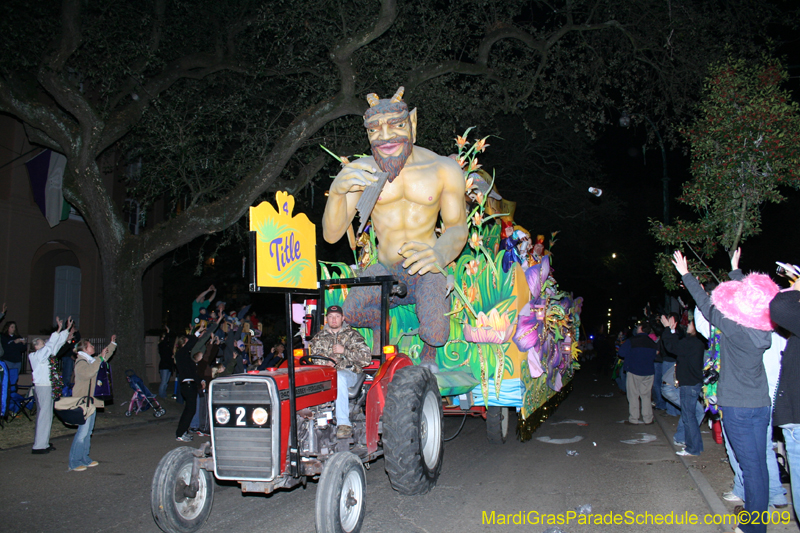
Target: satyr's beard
393	164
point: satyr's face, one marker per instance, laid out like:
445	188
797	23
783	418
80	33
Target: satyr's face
391	136
335	321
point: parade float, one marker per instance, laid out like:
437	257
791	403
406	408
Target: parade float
514	334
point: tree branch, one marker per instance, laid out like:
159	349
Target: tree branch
218	215
342	52
195	66
70	34
56	128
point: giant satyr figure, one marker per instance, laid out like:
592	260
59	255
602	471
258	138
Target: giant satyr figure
422	187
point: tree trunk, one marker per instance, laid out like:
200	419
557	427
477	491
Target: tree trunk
124	308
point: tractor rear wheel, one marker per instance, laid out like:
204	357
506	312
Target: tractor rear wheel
340	505
412	430
497	424
173	510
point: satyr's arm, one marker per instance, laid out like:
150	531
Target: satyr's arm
343	196
454	215
422	259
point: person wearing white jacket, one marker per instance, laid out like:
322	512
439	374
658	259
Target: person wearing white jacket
40	368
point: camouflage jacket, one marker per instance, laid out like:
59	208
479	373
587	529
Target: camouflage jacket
356	352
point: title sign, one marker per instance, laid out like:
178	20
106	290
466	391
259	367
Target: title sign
286	254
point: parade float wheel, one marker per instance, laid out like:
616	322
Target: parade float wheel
173	510
341	505
497	424
412	430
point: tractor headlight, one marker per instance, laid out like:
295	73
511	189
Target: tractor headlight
260	416
222	415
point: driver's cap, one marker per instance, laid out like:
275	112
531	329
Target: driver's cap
335	309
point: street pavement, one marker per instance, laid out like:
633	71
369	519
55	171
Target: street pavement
618	469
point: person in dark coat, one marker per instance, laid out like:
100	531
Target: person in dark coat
14	346
639	352
689	353
784	310
187	374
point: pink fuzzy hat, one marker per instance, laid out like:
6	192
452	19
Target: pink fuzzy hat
746	302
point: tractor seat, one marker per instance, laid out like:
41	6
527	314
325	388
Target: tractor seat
355	390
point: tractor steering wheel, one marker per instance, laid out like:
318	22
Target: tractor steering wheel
306	359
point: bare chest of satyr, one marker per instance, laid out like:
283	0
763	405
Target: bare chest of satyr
408	209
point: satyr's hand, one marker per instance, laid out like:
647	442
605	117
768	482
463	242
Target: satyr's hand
338	349
420	258
356	176
680	263
735	259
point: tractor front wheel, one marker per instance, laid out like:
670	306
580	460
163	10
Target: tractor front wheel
341	492
173	507
412	430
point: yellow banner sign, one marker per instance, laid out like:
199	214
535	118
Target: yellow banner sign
286	247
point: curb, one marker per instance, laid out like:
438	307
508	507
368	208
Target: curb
713	501
100	431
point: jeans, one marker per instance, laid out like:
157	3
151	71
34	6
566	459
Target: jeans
700	413
689	419
81	444
44	416
777	494
344	380
165	375
791	435
668	391
660	403
67	364
11	365
622	381
746	428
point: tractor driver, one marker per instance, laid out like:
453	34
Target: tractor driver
347	347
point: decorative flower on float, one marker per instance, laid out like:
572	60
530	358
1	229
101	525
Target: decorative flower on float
493	328
475	240
472	267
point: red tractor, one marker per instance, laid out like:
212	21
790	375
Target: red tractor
275	429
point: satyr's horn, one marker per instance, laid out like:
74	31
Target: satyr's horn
398	95
373	99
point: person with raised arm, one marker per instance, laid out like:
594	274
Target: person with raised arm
740	310
42	387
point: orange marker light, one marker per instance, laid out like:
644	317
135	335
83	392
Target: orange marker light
298	352
390	349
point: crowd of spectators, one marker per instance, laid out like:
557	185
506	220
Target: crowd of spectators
727	359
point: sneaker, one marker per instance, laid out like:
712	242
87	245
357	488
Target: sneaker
731	497
684	453
344	432
93	464
185	437
201	433
79	468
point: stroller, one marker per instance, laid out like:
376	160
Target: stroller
142	398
